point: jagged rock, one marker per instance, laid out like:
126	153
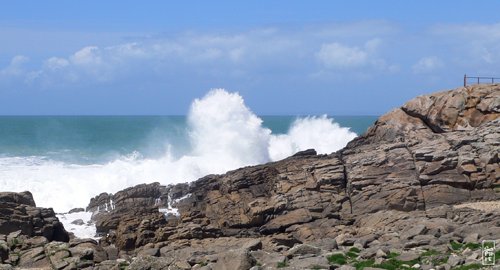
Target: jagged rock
81	248
111	252
303	249
252	245
239	259
454	260
155	252
37	241
34	258
19	212
24	198
6	267
4	251
180	265
308	152
435	141
309	263
58	254
284	221
267	259
380	254
100	203
408	256
471	238
413	231
76	210
150	263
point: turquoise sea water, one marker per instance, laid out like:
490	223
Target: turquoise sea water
98	139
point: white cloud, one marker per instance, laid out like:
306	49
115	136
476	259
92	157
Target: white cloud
427	64
55	63
238	55
16	66
89	55
474	44
336	55
339	56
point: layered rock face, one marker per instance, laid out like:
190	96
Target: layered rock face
400	187
436	149
19	214
25	229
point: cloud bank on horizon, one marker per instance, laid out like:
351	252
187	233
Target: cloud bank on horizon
283	68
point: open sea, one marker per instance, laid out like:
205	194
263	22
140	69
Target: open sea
66	160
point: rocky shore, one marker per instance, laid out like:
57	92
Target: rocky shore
419	190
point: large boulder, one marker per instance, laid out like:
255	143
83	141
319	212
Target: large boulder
19	212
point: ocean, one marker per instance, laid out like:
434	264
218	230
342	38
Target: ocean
66	160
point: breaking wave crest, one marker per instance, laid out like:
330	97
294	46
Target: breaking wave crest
223	133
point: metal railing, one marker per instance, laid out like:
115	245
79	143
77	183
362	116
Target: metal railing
480	79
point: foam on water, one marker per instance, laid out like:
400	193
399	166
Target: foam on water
85	230
224	134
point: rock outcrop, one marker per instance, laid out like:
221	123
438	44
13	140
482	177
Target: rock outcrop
434	150
18	213
407	193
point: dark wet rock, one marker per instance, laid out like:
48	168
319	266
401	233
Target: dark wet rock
76	210
78	222
18	212
14	198
308	152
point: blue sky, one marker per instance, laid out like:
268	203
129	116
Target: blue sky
284	57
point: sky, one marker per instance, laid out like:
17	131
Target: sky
284	56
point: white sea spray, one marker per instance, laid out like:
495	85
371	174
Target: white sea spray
224	134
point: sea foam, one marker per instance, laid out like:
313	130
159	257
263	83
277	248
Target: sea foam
224	134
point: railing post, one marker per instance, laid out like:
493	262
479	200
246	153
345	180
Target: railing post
465	80
477	80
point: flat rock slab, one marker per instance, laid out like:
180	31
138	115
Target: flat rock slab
284	221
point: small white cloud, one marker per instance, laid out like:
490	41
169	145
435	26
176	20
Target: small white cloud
55	63
427	64
476	44
89	55
15	68
18	60
336	55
